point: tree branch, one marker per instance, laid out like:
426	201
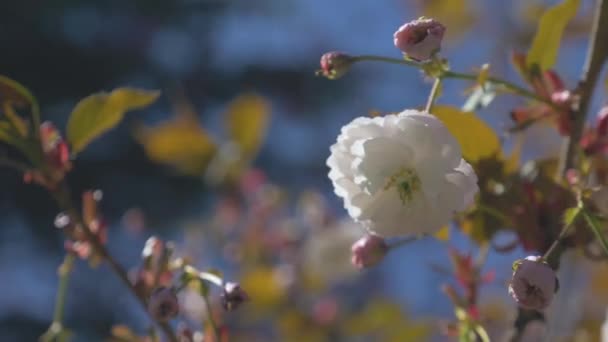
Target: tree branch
596	56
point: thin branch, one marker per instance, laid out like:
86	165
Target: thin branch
63	197
596	56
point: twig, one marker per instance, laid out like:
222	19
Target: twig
596	56
463	76
56	328
62	196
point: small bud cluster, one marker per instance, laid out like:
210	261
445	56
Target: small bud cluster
155	270
79	240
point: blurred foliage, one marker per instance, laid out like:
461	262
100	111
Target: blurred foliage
458	15
98	113
545	45
185	145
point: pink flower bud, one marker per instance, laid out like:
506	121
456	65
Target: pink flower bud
533	283
233	296
368	251
335	64
420	39
163	304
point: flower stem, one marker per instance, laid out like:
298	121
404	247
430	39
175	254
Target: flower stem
593	224
372	58
553	253
56	332
214	327
463	76
64	272
502	83
433	95
62	196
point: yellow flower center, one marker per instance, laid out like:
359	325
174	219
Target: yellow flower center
406	182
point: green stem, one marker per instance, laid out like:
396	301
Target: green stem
433	95
373	58
502	83
592	223
214	327
553	253
463	76
64	278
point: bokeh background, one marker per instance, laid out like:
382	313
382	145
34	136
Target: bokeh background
204	54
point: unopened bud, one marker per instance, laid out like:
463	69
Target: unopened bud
335	64
233	296
368	251
163	304
420	39
533	283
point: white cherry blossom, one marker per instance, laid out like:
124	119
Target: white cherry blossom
401	173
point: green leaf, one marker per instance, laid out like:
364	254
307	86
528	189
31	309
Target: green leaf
98	113
570	215
477	140
548	36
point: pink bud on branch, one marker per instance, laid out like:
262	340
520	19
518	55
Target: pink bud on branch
420	39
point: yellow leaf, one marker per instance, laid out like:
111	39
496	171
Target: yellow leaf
98	113
545	44
477	140
247	120
443	234
180	142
